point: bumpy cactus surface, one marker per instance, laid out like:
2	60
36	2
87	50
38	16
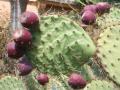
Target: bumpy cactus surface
110	19
100	85
11	83
109	45
61	46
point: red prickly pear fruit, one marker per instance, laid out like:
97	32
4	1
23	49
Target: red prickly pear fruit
102	7
88	18
91	8
13	51
28	19
22	37
76	81
42	79
24	66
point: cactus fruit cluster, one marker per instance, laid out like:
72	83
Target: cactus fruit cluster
90	12
21	40
63	54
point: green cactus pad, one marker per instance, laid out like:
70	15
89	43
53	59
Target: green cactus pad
108	51
100	85
109	43
11	83
61	45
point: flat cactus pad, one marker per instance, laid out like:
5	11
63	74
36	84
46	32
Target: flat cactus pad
61	45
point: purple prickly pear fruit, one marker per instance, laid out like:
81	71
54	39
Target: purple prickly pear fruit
102	7
76	81
13	51
88	18
42	79
24	66
28	19
91	8
22	37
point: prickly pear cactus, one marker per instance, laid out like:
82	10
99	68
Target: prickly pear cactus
61	46
11	83
109	44
100	85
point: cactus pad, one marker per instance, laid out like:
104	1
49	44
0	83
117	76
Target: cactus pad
61	46
100	85
11	83
108	47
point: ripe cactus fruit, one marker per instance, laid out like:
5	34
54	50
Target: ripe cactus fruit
88	17
102	7
24	66
42	78
22	37
76	81
51	53
11	83
91	8
100	85
28	19
13	50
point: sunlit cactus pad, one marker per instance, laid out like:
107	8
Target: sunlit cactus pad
100	85
61	45
109	43
11	83
108	51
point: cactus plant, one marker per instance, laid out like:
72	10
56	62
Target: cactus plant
109	44
63	46
11	83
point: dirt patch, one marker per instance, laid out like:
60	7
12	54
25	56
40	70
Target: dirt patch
4	22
